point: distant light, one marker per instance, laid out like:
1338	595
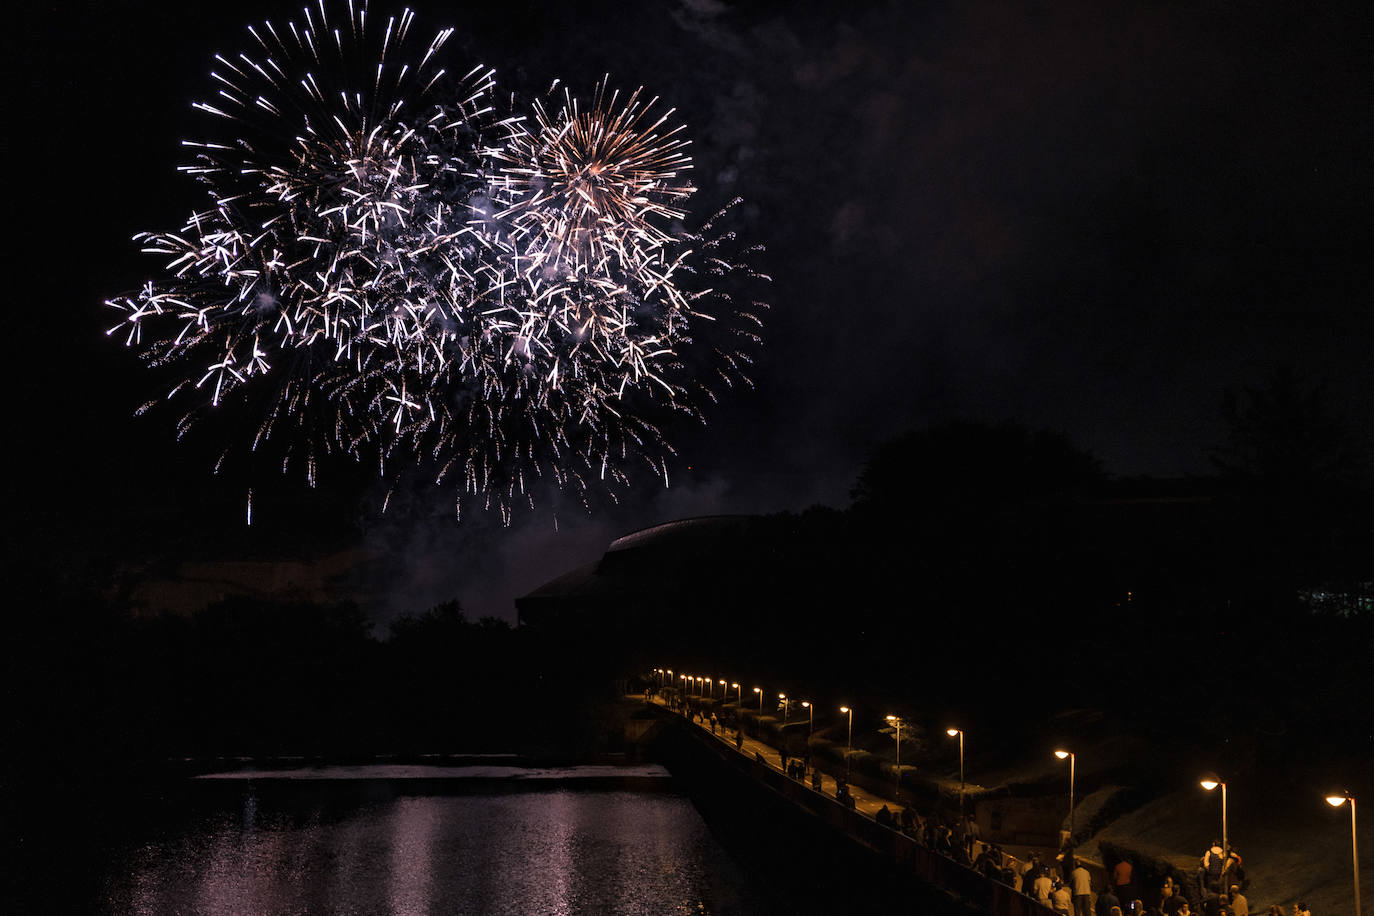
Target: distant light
951	732
806	702
1062	755
844	709
892	718
733	686
758	690
782	696
1336	801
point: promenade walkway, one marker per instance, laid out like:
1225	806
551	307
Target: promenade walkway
987	894
865	801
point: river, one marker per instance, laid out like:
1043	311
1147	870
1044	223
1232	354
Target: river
477	840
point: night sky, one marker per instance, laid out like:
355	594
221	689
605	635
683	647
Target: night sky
1091	217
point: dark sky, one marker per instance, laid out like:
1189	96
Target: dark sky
1093	217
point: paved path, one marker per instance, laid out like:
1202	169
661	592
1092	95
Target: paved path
864	801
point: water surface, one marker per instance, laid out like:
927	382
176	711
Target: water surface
346	843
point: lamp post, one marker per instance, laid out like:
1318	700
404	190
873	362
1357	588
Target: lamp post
1209	783
786	706
898	723
849	747
723	688
759	691
1336	801
739	695
810	716
952	732
1072	763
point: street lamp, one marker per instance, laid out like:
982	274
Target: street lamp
1336	801
739	695
952	732
722	691
810	716
786	706
898	722
849	747
1072	763
1209	783
759	691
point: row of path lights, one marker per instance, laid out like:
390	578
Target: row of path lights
1209	782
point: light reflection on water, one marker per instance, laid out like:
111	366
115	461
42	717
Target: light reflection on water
538	852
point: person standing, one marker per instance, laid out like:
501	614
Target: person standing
1081	885
1213	864
1169	898
1061	899
1239	905
1042	887
1122	874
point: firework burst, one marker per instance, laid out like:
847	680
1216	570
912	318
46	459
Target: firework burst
393	272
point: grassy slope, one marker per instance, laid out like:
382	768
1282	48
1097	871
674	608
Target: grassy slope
1295	846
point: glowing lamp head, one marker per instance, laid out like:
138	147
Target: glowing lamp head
734	686
1336	801
844	709
782	696
1062	755
952	732
891	718
1210	784
806	704
722	682
758	690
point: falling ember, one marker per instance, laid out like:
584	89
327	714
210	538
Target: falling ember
390	270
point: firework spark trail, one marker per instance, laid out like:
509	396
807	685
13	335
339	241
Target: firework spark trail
398	275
